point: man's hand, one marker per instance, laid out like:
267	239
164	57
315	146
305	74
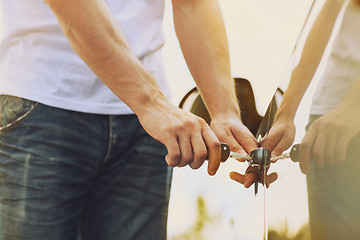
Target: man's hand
241	140
328	137
280	137
233	132
188	138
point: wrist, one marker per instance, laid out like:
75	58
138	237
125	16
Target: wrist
289	105
226	111
224	106
285	113
151	101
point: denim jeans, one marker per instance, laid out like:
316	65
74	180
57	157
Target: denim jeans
70	175
334	196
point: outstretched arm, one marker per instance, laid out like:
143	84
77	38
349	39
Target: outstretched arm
282	133
103	46
200	29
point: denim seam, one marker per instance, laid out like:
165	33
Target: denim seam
27	114
110	141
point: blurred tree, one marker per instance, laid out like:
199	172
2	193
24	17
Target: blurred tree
302	234
202	218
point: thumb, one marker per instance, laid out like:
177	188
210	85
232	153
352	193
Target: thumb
269	142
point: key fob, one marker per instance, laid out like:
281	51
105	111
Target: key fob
225	152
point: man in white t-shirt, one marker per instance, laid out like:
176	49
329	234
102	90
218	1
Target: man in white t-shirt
85	121
329	152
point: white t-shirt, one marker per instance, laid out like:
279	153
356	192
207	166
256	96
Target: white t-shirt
343	67
38	63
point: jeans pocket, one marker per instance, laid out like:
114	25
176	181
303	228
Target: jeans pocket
13	110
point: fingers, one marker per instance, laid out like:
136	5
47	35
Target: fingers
270	141
174	154
245	139
213	150
280	138
186	150
273	143
200	152
191	142
280	148
321	147
235	134
234	145
330	150
340	150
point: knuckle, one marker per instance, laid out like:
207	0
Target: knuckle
215	144
167	130
171	162
187	159
326	125
175	128
180	128
175	157
202	122
192	123
195	165
187	124
182	164
202	155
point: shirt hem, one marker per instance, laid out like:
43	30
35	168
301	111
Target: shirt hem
119	108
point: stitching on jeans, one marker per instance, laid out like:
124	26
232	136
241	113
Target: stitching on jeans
28	113
110	140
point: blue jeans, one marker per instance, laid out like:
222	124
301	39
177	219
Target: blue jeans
70	175
334	196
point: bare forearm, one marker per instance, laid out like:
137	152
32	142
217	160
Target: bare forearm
201	32
103	46
312	53
98	39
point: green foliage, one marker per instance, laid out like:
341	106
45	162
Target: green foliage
302	234
202	218
196	232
